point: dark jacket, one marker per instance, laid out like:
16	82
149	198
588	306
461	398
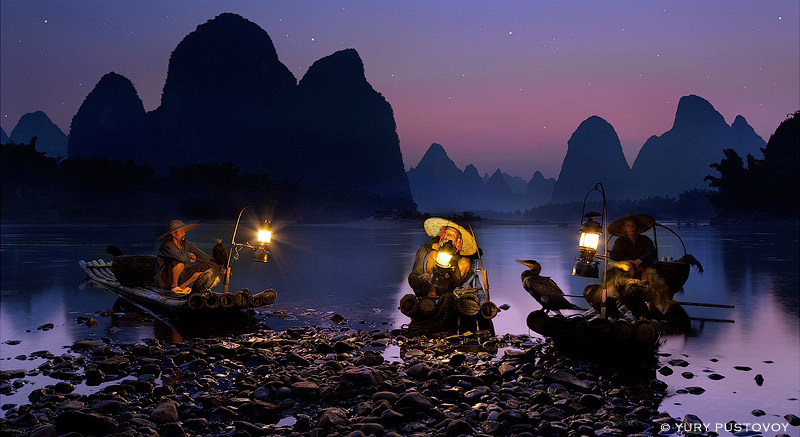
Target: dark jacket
169	255
643	248
421	286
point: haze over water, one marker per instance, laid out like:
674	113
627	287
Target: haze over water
359	271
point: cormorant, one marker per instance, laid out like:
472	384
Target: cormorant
543	289
114	250
220	254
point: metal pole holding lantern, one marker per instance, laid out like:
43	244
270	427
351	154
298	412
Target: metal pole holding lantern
590	234
261	249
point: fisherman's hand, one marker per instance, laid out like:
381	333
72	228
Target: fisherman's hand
425	277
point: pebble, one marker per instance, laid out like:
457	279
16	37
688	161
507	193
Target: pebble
333	380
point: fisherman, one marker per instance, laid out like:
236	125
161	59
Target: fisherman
442	231
631	245
457	275
179	263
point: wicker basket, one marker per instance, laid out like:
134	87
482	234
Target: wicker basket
675	273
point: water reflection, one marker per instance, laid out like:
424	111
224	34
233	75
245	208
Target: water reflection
359	271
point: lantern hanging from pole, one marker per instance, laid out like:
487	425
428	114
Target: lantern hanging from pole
260	249
590	234
264	236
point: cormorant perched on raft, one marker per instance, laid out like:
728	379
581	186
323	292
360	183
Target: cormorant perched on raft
220	254
113	250
543	289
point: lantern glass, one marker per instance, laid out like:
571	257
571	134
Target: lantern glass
589	241
446	252
265	232
443	259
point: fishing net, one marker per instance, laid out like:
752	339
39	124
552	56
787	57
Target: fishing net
444	319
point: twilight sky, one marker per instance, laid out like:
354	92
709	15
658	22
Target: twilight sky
498	84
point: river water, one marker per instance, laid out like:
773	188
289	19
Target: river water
359	271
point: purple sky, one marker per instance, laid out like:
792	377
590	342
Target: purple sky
498	84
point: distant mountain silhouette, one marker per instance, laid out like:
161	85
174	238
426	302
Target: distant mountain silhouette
539	190
348	136
517	184
110	123
3	137
496	185
678	160
594	153
227	98
50	139
472	178
438	185
782	160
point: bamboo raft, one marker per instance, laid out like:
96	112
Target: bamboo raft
459	311
591	331
102	273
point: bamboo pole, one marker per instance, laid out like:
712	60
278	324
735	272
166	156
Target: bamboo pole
703	319
675	302
700	304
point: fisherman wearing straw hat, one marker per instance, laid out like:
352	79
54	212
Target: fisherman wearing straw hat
442	230
631	244
173	271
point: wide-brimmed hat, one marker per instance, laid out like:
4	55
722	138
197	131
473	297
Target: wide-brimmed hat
643	223
173	226
434	224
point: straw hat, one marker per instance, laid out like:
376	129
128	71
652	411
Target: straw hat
434	224
643	223
174	225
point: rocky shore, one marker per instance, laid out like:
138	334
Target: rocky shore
334	381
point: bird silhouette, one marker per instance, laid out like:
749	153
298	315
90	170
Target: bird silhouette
114	250
220	254
543	289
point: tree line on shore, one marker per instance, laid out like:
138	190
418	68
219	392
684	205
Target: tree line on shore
35	186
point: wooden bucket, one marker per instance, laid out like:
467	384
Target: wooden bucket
538	322
227	300
646	332
488	310
211	300
468	304
196	301
409	305
268	296
243	298
427	305
621	329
